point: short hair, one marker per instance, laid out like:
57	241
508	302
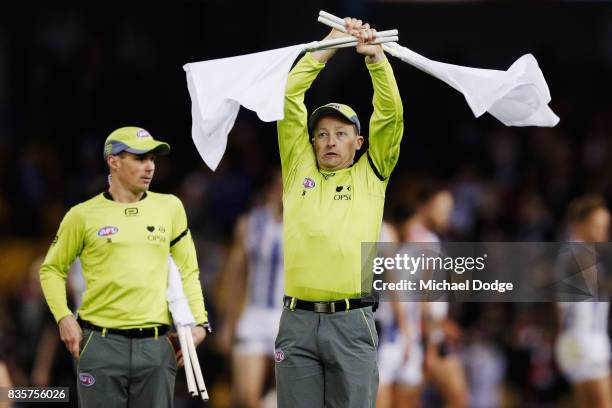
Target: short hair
417	195
120	154
582	207
428	190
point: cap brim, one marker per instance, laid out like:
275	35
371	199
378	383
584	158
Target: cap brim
326	111
148	146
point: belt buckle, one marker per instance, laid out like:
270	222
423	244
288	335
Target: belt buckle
325	307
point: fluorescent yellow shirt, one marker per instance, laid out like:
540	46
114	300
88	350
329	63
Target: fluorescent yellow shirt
327	215
124	250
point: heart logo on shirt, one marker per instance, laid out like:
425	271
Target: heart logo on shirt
150	228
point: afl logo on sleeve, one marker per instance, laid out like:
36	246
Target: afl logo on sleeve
309	183
107	231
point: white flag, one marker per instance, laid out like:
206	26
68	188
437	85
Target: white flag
177	302
218	88
516	97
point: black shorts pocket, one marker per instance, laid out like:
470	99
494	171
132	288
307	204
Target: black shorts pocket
88	336
368	322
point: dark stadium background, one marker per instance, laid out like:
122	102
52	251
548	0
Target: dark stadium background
70	73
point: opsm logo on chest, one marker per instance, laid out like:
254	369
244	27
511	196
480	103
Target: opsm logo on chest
156	236
343	193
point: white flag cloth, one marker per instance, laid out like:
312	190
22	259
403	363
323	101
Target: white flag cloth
177	302
218	88
516	97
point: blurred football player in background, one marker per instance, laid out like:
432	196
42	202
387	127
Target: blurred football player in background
443	368
254	270
583	346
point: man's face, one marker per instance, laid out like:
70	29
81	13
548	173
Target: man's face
439	210
335	143
133	171
597	226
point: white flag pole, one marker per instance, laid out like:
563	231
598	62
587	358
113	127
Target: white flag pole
196	366
518	96
381	38
184	320
191	384
335	22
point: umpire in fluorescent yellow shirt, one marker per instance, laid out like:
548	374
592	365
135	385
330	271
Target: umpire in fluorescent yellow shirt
326	345
123	238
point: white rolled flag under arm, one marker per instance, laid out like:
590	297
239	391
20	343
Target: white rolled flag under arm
218	88
177	302
184	320
516	97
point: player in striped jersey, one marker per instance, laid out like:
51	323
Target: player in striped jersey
583	346
255	270
432	212
400	354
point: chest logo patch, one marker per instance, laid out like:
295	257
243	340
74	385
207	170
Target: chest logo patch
156	236
107	231
309	183
343	193
130	212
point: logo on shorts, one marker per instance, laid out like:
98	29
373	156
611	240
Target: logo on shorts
87	379
279	355
107	231
309	183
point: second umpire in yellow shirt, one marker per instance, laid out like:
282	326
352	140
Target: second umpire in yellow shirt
123	238
326	344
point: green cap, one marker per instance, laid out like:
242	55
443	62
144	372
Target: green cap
333	109
133	140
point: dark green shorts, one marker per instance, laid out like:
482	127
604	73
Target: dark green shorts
117	371
326	359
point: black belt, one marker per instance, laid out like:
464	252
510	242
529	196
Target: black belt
134	333
331	306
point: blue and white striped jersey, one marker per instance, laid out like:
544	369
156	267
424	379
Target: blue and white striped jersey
584	317
264	245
